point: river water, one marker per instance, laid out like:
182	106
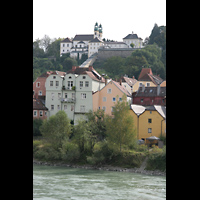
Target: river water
53	182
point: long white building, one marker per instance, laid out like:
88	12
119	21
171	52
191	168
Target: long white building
90	43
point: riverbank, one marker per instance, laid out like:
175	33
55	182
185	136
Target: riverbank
103	167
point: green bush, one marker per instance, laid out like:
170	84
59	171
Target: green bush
157	159
70	151
36	144
47	152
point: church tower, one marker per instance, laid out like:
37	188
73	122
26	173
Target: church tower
100	32
96	30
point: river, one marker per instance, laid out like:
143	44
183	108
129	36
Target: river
54	182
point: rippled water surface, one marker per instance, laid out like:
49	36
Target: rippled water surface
53	182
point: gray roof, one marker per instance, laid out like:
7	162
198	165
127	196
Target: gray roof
132	36
66	40
151	92
87	37
96	40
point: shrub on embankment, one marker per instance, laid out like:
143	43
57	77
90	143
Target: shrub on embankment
157	159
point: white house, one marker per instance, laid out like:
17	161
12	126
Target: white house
133	38
73	92
80	43
94	45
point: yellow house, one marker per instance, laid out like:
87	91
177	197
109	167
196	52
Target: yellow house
147	79
109	95
149	120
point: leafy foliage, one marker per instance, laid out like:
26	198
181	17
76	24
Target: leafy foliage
120	128
56	129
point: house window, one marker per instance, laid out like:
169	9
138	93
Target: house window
82	108
120	99
40	92
63	45
140	84
104	99
149	130
65	107
41	113
148	84
57	83
33	92
150	112
149	120
86	83
65	95
51	83
54	77
52	96
38	84
109	91
81	83
70	84
141	100
73	96
114	99
83	95
35	113
45	113
84	77
52	107
58	107
67	45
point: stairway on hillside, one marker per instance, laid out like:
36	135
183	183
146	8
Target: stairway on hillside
89	61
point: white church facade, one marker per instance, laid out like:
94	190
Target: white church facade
90	43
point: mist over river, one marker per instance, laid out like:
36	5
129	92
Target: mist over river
56	182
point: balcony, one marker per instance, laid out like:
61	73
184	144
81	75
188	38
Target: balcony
67	100
68	88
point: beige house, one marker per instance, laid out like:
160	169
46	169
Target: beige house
109	95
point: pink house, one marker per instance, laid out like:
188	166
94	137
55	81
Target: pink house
107	97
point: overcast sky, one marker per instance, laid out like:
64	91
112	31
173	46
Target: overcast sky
66	18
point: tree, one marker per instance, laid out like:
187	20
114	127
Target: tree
97	124
56	129
81	135
45	41
120	128
132	45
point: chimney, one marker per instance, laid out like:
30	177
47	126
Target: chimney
106	80
158	90
133	77
73	68
120	81
90	68
143	88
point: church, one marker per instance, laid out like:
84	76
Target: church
90	43
83	44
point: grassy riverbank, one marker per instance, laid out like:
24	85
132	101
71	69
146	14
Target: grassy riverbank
102	154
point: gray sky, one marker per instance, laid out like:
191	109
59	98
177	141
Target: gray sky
66	18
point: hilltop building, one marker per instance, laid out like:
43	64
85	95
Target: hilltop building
90	44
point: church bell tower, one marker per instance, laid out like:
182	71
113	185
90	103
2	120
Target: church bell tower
96	30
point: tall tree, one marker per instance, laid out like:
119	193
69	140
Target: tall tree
120	129
56	129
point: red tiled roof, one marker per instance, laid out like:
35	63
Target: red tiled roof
38	105
144	72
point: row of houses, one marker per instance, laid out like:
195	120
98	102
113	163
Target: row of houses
82	89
